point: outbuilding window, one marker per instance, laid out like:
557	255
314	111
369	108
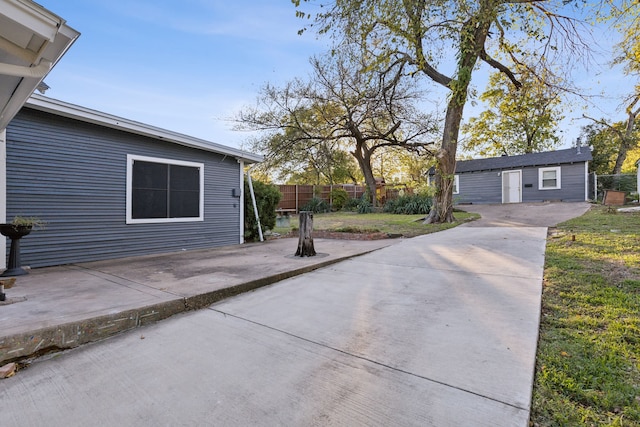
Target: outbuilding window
549	178
164	190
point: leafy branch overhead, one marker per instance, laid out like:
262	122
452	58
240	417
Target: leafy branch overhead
625	16
517	120
427	36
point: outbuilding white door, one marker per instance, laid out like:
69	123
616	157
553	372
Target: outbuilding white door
512	187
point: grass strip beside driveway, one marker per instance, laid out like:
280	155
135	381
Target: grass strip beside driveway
406	225
588	361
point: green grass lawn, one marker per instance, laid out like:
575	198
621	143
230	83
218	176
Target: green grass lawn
407	225
588	361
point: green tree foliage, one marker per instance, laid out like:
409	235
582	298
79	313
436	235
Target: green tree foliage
428	35
625	15
322	164
267	199
517	121
604	140
305	161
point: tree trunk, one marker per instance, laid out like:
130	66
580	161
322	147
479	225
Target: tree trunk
472	39
442	209
363	156
305	240
626	140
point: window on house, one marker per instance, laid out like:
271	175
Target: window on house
549	178
163	190
456	184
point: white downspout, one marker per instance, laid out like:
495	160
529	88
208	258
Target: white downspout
253	200
586	181
241	201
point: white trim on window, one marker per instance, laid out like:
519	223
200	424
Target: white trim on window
456	184
131	158
549	181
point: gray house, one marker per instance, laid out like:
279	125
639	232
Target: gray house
110	187
560	175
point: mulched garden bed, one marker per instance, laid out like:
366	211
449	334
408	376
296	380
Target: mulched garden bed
327	234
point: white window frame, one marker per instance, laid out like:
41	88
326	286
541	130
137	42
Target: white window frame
133	157
558	171
456	184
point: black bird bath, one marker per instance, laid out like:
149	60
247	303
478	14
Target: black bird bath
15	233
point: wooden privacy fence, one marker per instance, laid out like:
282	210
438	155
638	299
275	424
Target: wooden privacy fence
295	197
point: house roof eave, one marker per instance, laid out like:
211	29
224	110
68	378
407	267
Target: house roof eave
72	111
32	41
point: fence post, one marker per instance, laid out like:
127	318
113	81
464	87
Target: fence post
330	195
297	207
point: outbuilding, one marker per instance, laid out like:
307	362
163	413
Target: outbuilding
109	187
560	175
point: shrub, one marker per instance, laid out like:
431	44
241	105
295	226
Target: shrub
364	205
267	198
409	204
316	205
339	198
351	205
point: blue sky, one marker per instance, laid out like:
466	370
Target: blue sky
190	65
181	65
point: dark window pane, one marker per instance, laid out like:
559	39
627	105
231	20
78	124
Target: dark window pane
184	178
165	191
150	175
149	203
185	204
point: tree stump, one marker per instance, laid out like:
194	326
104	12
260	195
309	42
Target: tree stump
305	240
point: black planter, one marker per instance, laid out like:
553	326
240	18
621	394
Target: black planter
15	233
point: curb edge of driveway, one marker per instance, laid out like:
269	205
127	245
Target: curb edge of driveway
22	347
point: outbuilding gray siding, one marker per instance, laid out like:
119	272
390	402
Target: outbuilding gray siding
72	174
486	186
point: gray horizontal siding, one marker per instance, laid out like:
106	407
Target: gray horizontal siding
479	187
572	185
486	186
73	175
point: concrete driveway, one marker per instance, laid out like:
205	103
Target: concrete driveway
437	330
525	214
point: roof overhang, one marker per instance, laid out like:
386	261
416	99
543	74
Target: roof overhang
32	41
65	109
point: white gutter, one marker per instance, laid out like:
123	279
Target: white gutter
76	112
36	72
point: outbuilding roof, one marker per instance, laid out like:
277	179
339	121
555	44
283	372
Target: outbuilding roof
570	155
65	109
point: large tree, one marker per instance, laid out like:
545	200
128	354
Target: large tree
431	36
343	103
516	121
